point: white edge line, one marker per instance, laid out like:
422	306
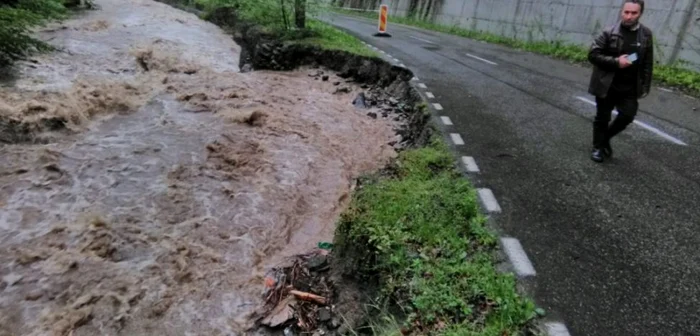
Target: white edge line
482	59
489	200
470	164
556	329
447	121
457	139
415	79
422	86
643	125
430	95
665	90
402	65
518	257
382	51
437	106
420	39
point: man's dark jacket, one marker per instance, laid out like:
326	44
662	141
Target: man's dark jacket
603	55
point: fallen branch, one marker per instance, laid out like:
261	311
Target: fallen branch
309	297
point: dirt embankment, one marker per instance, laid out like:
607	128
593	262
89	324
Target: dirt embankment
146	185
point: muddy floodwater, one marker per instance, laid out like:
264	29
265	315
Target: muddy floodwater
176	182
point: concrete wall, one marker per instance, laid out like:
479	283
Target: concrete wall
676	23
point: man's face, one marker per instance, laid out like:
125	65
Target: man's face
631	13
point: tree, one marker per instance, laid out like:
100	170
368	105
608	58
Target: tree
300	13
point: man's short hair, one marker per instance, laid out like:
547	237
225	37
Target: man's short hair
638	2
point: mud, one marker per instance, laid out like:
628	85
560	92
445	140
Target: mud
146	185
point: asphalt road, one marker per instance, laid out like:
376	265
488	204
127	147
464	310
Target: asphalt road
616	246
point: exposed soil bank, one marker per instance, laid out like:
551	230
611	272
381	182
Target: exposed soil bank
146	185
265	51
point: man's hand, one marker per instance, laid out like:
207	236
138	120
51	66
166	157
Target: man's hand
623	62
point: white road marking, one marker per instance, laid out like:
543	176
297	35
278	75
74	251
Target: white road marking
470	164
430	95
457	139
643	125
402	65
383	52
415	79
420	39
556	329
446	121
422	86
437	106
665	90
397	60
518	257
489	200
482	59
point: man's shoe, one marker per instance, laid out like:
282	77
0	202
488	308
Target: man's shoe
597	155
607	150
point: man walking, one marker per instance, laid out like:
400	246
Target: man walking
623	59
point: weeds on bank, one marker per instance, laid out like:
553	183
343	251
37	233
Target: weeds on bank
277	15
427	243
672	75
329	37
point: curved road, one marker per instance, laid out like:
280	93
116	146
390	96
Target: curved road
616	246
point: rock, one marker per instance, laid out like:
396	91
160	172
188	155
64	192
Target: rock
325	78
372	115
342	90
324	315
336	83
246	68
364	86
335	323
360	101
385	115
393	101
289	332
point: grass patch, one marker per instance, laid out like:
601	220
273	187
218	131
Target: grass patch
421	233
331	38
672	75
275	18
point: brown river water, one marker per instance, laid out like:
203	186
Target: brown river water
180	182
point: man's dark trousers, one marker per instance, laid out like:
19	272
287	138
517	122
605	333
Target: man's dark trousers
626	104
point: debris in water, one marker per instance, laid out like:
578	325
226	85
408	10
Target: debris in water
282	313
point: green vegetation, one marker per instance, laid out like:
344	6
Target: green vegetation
672	75
276	16
421	233
331	38
16	20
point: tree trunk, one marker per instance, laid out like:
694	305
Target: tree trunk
300	13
